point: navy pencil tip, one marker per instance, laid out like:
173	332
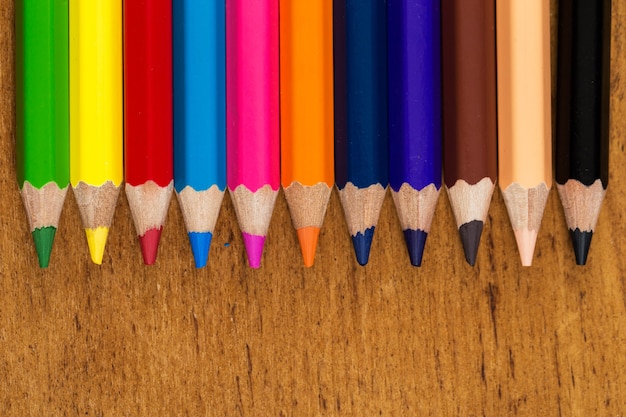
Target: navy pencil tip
415	243
581	242
362	243
200	244
470	237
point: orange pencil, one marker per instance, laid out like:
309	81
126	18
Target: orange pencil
306	93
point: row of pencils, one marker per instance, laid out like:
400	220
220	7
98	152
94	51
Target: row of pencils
198	96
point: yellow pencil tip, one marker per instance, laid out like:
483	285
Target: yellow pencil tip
308	243
97	240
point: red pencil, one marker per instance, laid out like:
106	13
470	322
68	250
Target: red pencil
148	118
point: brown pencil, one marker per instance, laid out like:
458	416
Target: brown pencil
469	114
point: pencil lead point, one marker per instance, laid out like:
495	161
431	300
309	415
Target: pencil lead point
362	243
307	236
526	240
97	240
470	237
200	245
44	238
149	244
415	243
254	248
581	242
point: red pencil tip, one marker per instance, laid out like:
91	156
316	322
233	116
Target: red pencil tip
149	243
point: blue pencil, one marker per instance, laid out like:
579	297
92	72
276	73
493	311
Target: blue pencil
199	117
414	60
360	42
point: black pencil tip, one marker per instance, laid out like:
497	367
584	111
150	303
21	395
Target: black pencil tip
415	243
581	242
470	237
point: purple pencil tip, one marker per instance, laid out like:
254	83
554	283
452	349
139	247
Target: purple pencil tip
254	248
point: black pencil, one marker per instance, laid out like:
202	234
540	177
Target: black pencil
582	145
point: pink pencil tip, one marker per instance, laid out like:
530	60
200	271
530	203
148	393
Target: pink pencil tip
149	243
254	248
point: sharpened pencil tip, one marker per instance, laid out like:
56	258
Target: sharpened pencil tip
44	237
362	243
200	245
526	240
307	236
97	240
254	248
581	242
415	243
149	244
470	233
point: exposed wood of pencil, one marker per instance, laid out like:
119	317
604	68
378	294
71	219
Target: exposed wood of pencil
469	114
200	209
581	204
524	127
96	205
361	207
151	203
254	213
307	205
43	205
525	207
416	209
470	204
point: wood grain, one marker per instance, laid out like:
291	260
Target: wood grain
336	339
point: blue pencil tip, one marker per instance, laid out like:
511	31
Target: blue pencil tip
200	244
415	242
362	243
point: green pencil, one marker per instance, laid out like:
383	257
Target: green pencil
42	113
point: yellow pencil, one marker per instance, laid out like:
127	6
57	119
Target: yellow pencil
96	132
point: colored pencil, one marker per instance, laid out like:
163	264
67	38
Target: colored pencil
360	64
200	118
148	145
414	61
306	85
42	115
252	116
96	126
582	141
524	127
469	114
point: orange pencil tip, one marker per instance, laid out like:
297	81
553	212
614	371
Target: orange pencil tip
308	243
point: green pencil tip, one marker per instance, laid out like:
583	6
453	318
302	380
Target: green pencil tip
43	238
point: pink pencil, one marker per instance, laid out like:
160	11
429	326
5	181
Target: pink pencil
252	116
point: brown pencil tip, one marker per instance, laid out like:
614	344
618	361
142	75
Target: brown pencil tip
308	243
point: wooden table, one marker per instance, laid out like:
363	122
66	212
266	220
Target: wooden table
338	339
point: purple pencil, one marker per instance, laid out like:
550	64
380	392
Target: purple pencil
414	82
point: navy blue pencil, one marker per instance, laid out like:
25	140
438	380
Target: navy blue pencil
414	49
361	174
